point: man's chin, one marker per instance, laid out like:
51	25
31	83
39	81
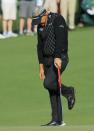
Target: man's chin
43	24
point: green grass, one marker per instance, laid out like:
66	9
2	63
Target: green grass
66	128
23	100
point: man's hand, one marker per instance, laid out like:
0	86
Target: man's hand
41	73
57	62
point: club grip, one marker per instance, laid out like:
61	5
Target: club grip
59	77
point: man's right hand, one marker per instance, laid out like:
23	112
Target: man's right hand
41	73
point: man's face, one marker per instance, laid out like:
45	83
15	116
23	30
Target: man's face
44	20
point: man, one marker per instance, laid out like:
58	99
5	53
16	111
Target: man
52	51
67	8
79	14
1	36
9	15
88	8
26	11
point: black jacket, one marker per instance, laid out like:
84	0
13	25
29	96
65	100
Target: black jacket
52	41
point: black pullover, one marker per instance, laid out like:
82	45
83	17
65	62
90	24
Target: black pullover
53	38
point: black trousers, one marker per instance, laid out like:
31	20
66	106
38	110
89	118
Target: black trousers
51	84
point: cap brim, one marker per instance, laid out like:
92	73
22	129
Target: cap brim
37	19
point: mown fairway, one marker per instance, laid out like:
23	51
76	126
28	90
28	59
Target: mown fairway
23	100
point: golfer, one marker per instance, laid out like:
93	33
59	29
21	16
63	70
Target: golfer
52	52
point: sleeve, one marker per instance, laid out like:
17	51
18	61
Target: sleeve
61	34
39	49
